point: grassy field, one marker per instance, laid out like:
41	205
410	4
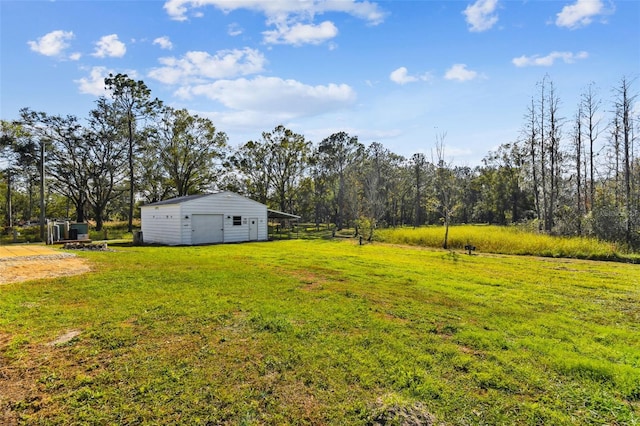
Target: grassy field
323	332
508	240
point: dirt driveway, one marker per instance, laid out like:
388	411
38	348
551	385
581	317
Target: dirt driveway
34	261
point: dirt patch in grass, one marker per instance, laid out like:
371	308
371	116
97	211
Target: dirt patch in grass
16	382
29	382
400	414
65	338
17	269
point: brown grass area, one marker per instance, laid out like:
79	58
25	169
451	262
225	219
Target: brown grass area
19	381
32	268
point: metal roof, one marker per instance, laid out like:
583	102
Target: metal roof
271	214
178	200
275	214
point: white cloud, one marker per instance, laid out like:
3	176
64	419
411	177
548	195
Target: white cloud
164	42
293	19
579	14
53	43
178	9
110	46
234	29
461	73
75	56
401	76
636	109
547	61
480	15
299	34
196	66
94	83
272	95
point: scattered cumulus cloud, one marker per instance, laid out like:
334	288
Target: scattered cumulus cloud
272	95
93	84
549	60
197	67
460	72
164	42
579	14
178	9
110	46
401	76
481	15
53	43
234	29
299	34
293	19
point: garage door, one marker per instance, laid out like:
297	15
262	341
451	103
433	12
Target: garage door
206	229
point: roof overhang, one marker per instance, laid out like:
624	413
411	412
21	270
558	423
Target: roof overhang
275	214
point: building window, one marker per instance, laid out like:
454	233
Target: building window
237	220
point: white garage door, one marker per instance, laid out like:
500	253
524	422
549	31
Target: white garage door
206	229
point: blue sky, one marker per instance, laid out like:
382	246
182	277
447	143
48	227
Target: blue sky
395	72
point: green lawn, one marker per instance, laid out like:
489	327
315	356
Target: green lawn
323	332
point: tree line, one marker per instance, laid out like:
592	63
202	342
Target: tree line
569	176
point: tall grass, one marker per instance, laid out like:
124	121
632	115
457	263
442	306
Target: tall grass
506	240
113	231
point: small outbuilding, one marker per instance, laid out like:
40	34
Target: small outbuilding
220	217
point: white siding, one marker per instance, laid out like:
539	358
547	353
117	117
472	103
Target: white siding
171	223
161	224
229	205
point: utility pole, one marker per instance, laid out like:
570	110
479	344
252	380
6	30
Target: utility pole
9	218
42	203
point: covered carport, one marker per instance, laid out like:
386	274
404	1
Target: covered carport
282	225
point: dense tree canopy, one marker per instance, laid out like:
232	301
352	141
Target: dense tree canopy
579	176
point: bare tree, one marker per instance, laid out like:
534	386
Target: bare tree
546	154
624	102
590	107
444	199
531	135
542	103
615	136
578	152
555	155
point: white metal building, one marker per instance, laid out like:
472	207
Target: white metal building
221	217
